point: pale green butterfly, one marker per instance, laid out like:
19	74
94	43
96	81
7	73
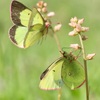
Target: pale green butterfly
29	25
65	70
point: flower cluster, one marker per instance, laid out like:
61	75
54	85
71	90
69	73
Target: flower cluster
42	8
77	25
78	28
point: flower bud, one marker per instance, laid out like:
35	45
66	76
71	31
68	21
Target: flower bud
45	4
90	56
85	29
84	37
74	19
73	33
72	24
57	27
50	14
44	9
78	28
39	9
40	4
80	21
47	24
75	46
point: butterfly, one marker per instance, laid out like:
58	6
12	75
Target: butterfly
29	25
65	70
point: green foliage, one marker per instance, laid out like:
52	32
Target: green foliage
20	69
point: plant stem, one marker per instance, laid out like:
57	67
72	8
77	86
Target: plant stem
58	43
86	77
61	52
59	94
85	67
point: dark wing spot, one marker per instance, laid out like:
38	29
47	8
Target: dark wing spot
28	13
53	70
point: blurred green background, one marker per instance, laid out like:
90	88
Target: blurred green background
20	69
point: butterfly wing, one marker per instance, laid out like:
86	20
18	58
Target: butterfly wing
20	14
29	25
72	73
34	35
51	77
17	35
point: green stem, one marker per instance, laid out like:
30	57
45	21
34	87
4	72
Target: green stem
83	50
61	52
86	77
85	67
59	94
57	41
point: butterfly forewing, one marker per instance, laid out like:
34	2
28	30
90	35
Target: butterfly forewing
38	19
51	77
20	14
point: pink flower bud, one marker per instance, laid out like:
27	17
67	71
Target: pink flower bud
47	24
78	28
80	21
50	14
84	37
74	19
75	46
45	4
85	29
40	4
57	27
44	9
90	56
72	24
72	33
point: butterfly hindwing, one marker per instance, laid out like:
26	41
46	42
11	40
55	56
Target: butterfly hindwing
72	73
17	35
51	77
33	35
